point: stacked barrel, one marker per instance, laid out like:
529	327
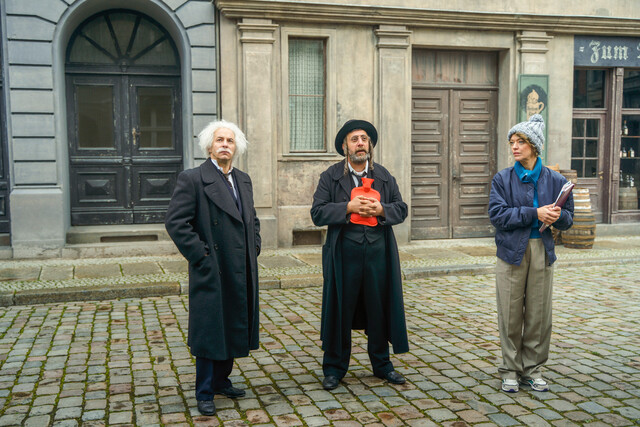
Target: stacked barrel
583	232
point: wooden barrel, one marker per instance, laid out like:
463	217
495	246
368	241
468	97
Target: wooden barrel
557	236
627	198
583	232
570	174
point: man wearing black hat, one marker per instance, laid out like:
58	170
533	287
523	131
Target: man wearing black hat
361	267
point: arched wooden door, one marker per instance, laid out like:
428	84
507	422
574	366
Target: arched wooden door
124	123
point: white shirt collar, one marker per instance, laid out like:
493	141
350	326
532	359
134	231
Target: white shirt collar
215	163
366	169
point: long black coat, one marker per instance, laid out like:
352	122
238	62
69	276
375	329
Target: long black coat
222	249
329	208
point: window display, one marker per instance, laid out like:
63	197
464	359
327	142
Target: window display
629	163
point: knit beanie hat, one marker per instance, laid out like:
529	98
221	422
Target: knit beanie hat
532	129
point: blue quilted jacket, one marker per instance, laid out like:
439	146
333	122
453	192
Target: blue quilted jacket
512	213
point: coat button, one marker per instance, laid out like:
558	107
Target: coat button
220	272
215	222
215	246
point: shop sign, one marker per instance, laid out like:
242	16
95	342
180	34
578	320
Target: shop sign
595	51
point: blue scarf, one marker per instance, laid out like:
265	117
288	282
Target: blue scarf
532	176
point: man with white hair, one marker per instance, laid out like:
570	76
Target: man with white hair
212	221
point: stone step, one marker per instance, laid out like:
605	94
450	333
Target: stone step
128	233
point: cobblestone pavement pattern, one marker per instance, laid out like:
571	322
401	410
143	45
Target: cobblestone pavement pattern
126	361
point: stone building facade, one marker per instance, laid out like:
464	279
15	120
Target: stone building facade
442	84
102	101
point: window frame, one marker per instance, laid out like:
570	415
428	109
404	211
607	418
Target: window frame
328	36
584	138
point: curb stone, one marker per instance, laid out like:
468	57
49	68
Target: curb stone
84	293
285	281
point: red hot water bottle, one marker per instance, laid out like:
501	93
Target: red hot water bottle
368	192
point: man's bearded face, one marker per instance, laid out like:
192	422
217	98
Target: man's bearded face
358	147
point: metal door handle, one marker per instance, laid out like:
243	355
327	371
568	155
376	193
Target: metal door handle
135	133
600	174
454	174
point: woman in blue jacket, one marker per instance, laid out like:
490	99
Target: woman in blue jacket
522	198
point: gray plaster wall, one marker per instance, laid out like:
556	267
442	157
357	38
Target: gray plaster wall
37	33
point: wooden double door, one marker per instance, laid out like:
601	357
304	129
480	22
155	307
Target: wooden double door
453	161
125	148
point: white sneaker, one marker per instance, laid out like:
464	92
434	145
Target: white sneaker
537	384
510	386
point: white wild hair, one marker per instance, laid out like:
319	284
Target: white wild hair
205	137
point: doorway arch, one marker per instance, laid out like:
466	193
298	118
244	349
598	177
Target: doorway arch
123	100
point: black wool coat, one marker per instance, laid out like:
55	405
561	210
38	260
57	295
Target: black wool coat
222	249
330	208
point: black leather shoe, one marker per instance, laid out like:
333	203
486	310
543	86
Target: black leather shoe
231	392
395	378
330	382
206	407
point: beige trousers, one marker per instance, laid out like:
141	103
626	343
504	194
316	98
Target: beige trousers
524	295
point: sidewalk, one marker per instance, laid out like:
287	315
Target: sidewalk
31	281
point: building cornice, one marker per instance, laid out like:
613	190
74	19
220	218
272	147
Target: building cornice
320	12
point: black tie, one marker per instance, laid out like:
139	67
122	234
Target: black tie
359	177
227	179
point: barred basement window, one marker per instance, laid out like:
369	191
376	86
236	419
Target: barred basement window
307	100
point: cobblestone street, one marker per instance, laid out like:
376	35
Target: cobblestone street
126	361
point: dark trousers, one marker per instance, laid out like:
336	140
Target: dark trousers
364	282
211	375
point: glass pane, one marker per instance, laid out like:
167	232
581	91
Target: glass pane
578	127
590	167
307	123
592	148
593	128
450	67
588	88
84	52
156	118
481	68
161	54
123	24
631	89
423	66
98	31
577	165
95	117
306	67
632	123
577	148
306	94
145	37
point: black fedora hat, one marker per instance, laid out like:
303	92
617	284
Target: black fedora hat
352	125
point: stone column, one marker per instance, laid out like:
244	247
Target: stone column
534	60
533	49
258	109
393	96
